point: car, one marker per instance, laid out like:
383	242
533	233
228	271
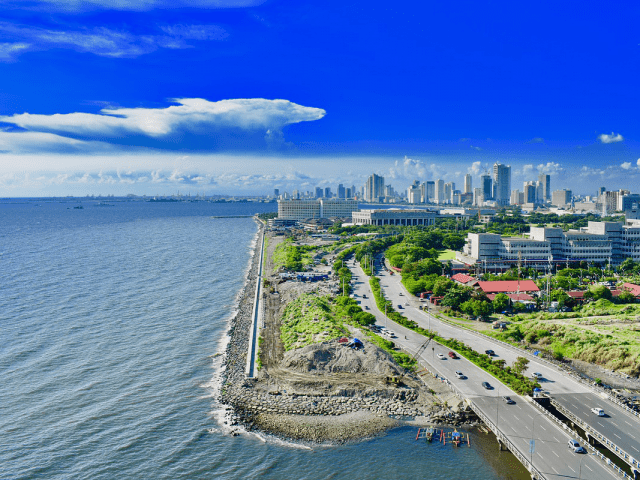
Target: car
508	400
536	375
487	385
441	356
598	411
575	446
400	294
406	304
452	355
400	306
459	374
491	353
366	307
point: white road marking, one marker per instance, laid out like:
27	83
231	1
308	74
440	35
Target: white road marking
635	448
587	466
556	454
616	435
571	469
555	470
628	423
556	439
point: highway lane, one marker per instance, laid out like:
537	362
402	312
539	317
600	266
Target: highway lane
522	422
623	430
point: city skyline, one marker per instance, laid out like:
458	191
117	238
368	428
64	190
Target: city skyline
243	96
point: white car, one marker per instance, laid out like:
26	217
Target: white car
459	374
598	411
536	375
441	356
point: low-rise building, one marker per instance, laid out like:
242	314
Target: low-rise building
318	208
598	243
394	216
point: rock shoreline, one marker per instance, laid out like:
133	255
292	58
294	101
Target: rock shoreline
337	416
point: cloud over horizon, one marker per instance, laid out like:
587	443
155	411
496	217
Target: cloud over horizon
193	116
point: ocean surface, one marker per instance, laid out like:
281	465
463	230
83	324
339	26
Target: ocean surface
111	317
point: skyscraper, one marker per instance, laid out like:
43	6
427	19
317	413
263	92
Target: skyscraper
431	191
545	181
439	191
341	191
502	180
318	192
467	183
486	185
374	188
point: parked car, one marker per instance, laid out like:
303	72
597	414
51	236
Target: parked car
598	411
491	353
487	385
575	446
508	400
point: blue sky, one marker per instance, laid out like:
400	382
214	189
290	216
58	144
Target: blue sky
241	96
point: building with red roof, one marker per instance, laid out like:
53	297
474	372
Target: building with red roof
516	297
462	278
509	286
632	288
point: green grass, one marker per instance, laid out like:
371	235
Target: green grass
446	255
291	257
308	319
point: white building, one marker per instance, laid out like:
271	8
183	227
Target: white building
598	243
468	183
394	216
319	208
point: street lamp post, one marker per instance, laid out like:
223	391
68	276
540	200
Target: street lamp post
582	460
533	425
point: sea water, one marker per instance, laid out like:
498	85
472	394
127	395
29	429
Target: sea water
111	319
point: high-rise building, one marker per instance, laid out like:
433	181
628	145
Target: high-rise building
561	198
502	181
413	193
529	192
374	188
449	187
439	191
545	181
327	192
431	191
348	193
276	192
467	183
341	191
515	197
478	196
486	185
318	192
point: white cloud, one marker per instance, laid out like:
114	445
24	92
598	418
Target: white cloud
194	115
527	169
536	140
103	41
8	51
476	148
626	165
408	169
475	168
638	163
35	142
613	138
134	5
550	168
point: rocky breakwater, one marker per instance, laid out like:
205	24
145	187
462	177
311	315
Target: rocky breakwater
329	392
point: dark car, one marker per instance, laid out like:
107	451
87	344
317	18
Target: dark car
487	386
399	306
491	353
508	400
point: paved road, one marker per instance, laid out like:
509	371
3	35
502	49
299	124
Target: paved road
521	422
622	428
